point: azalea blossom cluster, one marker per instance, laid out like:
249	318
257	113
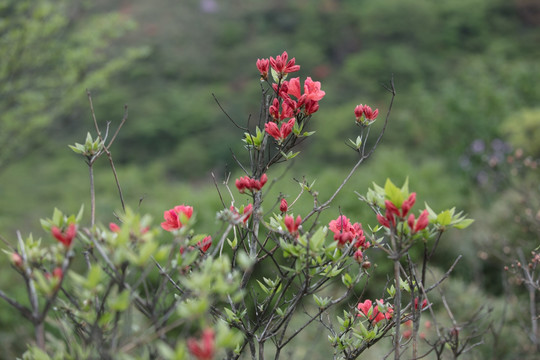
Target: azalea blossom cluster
375	312
393	214
290	103
347	233
365	115
250	184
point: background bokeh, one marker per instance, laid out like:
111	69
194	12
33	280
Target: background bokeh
464	128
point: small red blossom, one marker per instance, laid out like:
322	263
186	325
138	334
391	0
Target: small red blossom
282	65
283	206
365	115
420	224
277	133
205	244
408	204
66	236
114	227
358	256
16	260
242	215
250	184
57	273
292	224
205	348
172	218
370	115
367	306
311	107
424	303
263	66
345	232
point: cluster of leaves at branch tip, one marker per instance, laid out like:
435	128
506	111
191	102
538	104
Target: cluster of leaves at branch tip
90	147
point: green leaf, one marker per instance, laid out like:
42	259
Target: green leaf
393	193
463	223
120	302
444	218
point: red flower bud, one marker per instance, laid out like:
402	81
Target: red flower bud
283	206
16	260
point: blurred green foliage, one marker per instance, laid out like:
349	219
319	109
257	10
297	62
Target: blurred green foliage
464	70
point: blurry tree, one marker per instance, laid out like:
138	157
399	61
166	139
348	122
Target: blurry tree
51	51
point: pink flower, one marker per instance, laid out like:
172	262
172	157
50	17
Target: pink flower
205	348
114	228
277	133
294	87
364	307
376	315
283	206
263	66
282	66
16	260
342	223
291	224
66	236
205	244
345	232
312	89
172	218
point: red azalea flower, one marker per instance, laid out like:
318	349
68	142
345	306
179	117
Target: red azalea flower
282	65
408	204
277	133
247	183
358	256
172	218
312	89
205	244
283	206
65	237
311	107
205	348
365	112
358	112
376	315
263	66
294	87
291	224
370	115
424	303
114	228
364	307
420	224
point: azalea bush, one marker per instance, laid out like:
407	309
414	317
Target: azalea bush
137	288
